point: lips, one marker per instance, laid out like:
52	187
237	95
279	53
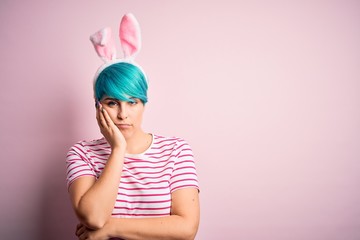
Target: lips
123	126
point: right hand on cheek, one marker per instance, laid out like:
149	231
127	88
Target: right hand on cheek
110	131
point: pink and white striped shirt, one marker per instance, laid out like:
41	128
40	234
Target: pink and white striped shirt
147	180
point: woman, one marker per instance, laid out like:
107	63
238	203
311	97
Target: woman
130	184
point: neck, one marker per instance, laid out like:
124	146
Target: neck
138	142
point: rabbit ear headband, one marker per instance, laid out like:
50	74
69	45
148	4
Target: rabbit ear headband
130	40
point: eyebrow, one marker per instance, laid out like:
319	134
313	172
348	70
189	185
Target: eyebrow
108	98
118	100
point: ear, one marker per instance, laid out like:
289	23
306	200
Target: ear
130	37
104	44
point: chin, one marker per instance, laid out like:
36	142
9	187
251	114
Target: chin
126	133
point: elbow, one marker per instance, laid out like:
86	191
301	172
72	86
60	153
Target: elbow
189	232
93	223
91	216
91	220
190	235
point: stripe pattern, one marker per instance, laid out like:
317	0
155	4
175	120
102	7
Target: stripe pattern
147	180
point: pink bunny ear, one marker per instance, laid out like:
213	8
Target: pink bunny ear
104	44
130	35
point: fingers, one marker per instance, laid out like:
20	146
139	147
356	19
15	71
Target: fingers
82	232
80	229
107	118
108	128
103	118
98	114
100	117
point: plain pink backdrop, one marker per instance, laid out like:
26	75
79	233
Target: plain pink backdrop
266	92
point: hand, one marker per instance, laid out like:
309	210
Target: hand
83	233
109	130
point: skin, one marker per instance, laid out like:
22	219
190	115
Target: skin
127	116
93	201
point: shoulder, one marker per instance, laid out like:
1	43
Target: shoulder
163	139
177	143
84	146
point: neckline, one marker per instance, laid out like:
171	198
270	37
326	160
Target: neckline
145	151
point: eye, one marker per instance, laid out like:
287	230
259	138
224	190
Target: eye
111	103
133	102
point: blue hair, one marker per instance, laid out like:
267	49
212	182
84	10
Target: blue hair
121	81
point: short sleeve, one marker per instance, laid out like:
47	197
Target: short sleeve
77	164
184	173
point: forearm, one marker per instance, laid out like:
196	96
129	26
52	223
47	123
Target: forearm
171	227
96	205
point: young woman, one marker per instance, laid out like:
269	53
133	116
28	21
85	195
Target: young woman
130	184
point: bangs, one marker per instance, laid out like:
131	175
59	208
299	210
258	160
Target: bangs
121	81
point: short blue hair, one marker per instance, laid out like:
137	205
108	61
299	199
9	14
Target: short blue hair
121	81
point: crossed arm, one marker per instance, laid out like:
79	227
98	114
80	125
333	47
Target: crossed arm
93	202
181	224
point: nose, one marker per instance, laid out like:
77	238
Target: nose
122	111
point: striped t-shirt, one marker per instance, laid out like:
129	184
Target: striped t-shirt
147	179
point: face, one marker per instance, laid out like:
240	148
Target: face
127	116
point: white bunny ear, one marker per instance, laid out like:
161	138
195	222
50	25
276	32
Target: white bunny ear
104	44
130	37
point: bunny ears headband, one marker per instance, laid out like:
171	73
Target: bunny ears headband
130	40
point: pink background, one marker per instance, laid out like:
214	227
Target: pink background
266	92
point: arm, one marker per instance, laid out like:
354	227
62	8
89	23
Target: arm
181	224
93	201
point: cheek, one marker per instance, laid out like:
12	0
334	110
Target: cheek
138	115
112	113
